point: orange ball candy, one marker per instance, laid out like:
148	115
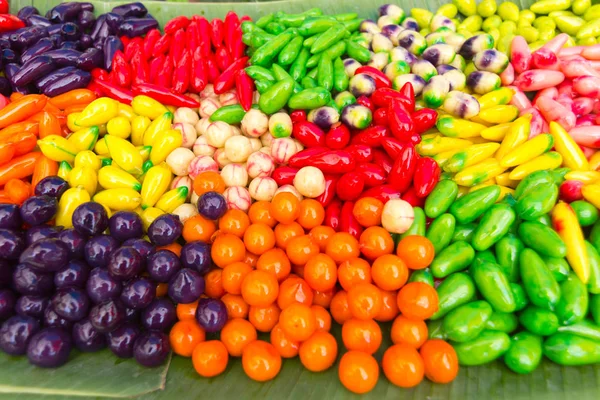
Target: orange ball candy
261	361
264	318
294	290
236	306
186	311
208	181
416	251
286	232
322	317
286	347
440	361
234	222
403	366
185	336
389	306
412	332
318	352
354	271
321	235
364	301
284	207
233	275
259	238
260	288
323	299
417	300
342	246
276	262
339	308
367	211
375	242
298	322
389	272
227	249
198	228
361	335
320	272
213	284
210	358
310	213
259	212
301	249
236	334
358	372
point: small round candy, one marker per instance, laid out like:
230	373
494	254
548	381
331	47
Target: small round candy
310	182
237	148
165	230
208	106
238	198
255	123
234	175
201	126
202	148
185	115
124	225
260	164
266	140
280	125
90	219
212	205
397	216
262	188
283	149
179	160
217	133
228	98
221	158
38	210
201	164
290	189
188	134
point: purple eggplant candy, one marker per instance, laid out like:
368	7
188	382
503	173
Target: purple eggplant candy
114	21
87	6
131	10
90	59
44	45
42	83
37	20
76	80
134	27
54	29
27	12
86	41
70	31
112	44
5	88
68	45
98	26
64	12
23	38
64	57
86	20
33	69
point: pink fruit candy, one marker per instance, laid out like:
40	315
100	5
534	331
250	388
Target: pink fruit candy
586	120
588	86
508	75
538	79
544	59
548	92
588	136
238	198
570	191
201	164
554	111
519	99
576	68
583	105
591	52
556	43
520	55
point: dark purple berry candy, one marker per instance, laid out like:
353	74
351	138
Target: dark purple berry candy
132	315
106	317
11	244
10	216
74	274
138	293
75	241
162	265
211	314
38	210
86	338
125	263
212	205
196	255
98	249
151	348
49	348
27	280
186	286
125	225
102	286
8	299
51	318
16	332
47	255
165	229
32	306
142	246
160	315
71	303
41	232
6	271
121	340
53	186
90	219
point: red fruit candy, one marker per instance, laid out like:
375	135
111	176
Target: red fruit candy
570	191
350	186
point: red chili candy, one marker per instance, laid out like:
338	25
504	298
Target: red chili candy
217	32
303	157
382	160
381	97
298	115
222	58
383	193
401	175
338	137
365	101
361	153
332	215
373	174
348	222
381	79
410	196
330	191
284	175
380	117
401	123
408	92
309	134
371	136
176	23
350	186
427	175
570	191
333	162
424	119
393	147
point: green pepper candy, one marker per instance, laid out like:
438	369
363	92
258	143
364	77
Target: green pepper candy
259	73
469	207
464	232
313	61
309	99
345	16
325	72
352	25
537	202
542	239
503	322
266	53
544	220
494	224
309	83
558	175
595	308
539	321
232	114
418	225
297	19
454	291
521	300
466	322
531	181
493	286
276	97
486	255
508	250
587	214
291	51
314	25
340	78
453	258
487	347
573	304
441	231
264	20
308	42
248	27
274	28
422	275
435	330
331	36
441	198
524	354
595	236
569	349
585	328
259	39
262	86
558	266
539	283
594	280
298	68
313	73
357	52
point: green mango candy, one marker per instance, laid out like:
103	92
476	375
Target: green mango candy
524	354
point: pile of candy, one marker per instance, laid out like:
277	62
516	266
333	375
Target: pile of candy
439	172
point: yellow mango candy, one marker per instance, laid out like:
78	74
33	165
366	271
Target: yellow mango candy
148	107
440	144
518	133
119	199
64	169
592	194
498	97
112	177
156	182
495	133
459	128
160	124
504	180
594	161
126	111
84	139
499	114
124	154
101	149
470	156
139	124
57	148
479	173
71	118
69	201
88	159
172	199
85	178
98	112
145	152
586	177
528	150
570	151
119	127
165	143
548	160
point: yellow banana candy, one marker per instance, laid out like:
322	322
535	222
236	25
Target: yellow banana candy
161	123
126	111
124	154
145	152
504	190
528	150
139	124
101	149
518	133
156	182
148	107
84	139
594	161
592	194
442	158
111	177
71	122
498	97
149	215
98	112
164	144
64	169
57	148
504	180
84	177
499	114
119	199
470	156
586	177
479	173
88	159
565	223
69	201
495	133
549	160
119	126
440	144
459	128
570	151
169	201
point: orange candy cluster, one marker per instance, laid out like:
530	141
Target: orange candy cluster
279	270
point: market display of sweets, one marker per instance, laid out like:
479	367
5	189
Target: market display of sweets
243	188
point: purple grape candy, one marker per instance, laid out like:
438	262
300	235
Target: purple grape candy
28	281
211	314
49	348
125	263
48	255
40	232
125	225
11	245
121	340
132	315
71	303
32	306
162	265
186	286
165	229
142	246
106	317
90	219
16	333
196	255
151	348
86	338
74	274
10	216
159	315
53	186
75	242
38	210
98	249
138	293
7	303
51	318
102	286
212	205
